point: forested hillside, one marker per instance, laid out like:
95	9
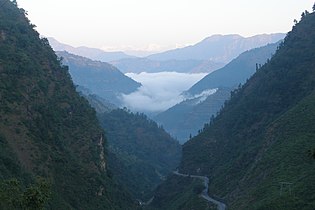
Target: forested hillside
186	118
256	151
237	71
141	154
46	129
102	79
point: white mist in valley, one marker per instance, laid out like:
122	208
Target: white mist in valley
159	91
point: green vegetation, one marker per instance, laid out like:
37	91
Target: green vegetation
190	115
237	71
46	128
186	118
255	152
183	196
102	79
141	154
34	197
100	104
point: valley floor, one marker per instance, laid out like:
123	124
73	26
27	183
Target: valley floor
204	194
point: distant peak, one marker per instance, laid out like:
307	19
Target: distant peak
217	37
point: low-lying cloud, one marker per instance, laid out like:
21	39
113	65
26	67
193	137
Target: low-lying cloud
159	91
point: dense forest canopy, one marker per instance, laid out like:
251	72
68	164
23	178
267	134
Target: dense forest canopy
46	128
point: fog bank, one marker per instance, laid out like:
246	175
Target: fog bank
159	91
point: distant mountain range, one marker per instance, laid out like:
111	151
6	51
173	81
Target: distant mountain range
235	72
218	48
92	53
100	78
208	55
207	96
138	65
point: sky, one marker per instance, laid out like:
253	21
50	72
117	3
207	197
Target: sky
157	25
159	91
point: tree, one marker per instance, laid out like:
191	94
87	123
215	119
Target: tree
36	196
314	7
10	194
13	196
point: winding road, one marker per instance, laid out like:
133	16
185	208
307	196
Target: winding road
204	194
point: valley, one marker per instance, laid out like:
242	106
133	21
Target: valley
226	122
204	194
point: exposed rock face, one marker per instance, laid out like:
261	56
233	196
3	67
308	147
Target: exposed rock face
102	153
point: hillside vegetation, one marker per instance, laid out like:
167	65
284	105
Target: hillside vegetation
102	79
237	71
141	154
184	195
46	129
186	118
262	136
256	151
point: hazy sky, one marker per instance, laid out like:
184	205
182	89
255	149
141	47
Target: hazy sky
158	24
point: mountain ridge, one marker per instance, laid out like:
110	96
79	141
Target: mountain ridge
256	152
101	78
218	48
138	65
88	52
262	135
237	71
46	129
207	55
188	117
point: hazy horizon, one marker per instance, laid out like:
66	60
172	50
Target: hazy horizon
155	26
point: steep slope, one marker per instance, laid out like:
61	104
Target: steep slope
180	193
218	48
141	153
237	71
91	53
189	116
100	78
138	65
260	140
46	128
100	104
